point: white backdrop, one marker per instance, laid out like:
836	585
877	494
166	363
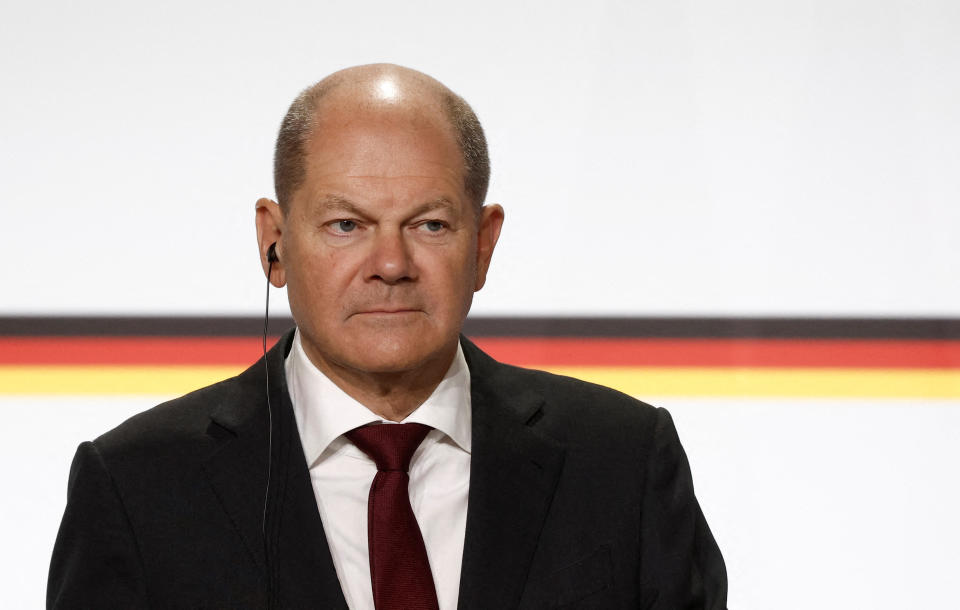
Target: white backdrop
701	158
743	157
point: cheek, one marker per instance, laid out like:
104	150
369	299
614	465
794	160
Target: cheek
317	279
459	277
317	261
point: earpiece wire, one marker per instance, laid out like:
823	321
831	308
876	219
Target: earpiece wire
266	371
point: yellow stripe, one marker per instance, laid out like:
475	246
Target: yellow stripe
637	381
774	382
103	380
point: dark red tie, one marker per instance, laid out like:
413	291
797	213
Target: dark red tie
399	569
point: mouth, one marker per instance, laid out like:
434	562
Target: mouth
387	311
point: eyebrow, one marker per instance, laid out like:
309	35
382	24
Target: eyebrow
436	204
338	202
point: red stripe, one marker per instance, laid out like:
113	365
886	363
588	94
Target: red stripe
522	351
131	350
724	352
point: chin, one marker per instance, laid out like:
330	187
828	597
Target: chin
395	353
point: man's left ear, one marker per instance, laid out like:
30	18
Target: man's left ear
488	232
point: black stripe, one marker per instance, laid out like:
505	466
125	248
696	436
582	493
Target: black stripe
653	327
140	326
727	327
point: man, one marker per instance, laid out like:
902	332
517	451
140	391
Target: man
271	489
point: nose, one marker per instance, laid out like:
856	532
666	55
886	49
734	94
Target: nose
390	259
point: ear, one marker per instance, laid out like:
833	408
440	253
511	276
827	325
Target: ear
270	231
488	232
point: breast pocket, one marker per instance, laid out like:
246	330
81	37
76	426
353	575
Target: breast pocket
579	585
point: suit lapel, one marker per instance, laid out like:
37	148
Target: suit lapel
513	475
236	473
301	568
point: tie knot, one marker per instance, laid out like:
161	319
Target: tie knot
389	445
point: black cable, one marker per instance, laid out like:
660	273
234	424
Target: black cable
266	372
266	493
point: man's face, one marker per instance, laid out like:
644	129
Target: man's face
379	246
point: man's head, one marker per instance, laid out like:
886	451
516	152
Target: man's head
381	233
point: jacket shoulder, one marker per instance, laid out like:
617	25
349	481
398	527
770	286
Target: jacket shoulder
173	426
569	409
583	403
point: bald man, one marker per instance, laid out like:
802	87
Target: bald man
375	458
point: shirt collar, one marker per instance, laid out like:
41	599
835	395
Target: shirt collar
324	412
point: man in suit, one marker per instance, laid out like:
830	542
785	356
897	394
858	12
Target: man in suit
284	487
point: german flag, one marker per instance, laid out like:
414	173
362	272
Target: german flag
644	357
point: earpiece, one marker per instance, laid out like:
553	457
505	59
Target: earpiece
272	253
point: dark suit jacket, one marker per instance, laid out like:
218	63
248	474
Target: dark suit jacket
580	497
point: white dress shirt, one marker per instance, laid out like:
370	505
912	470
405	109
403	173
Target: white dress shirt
342	474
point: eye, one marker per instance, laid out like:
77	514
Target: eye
434	226
343	227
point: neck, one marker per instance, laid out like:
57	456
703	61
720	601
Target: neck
390	395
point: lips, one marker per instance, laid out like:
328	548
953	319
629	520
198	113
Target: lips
388	311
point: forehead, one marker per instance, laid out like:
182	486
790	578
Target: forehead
406	136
